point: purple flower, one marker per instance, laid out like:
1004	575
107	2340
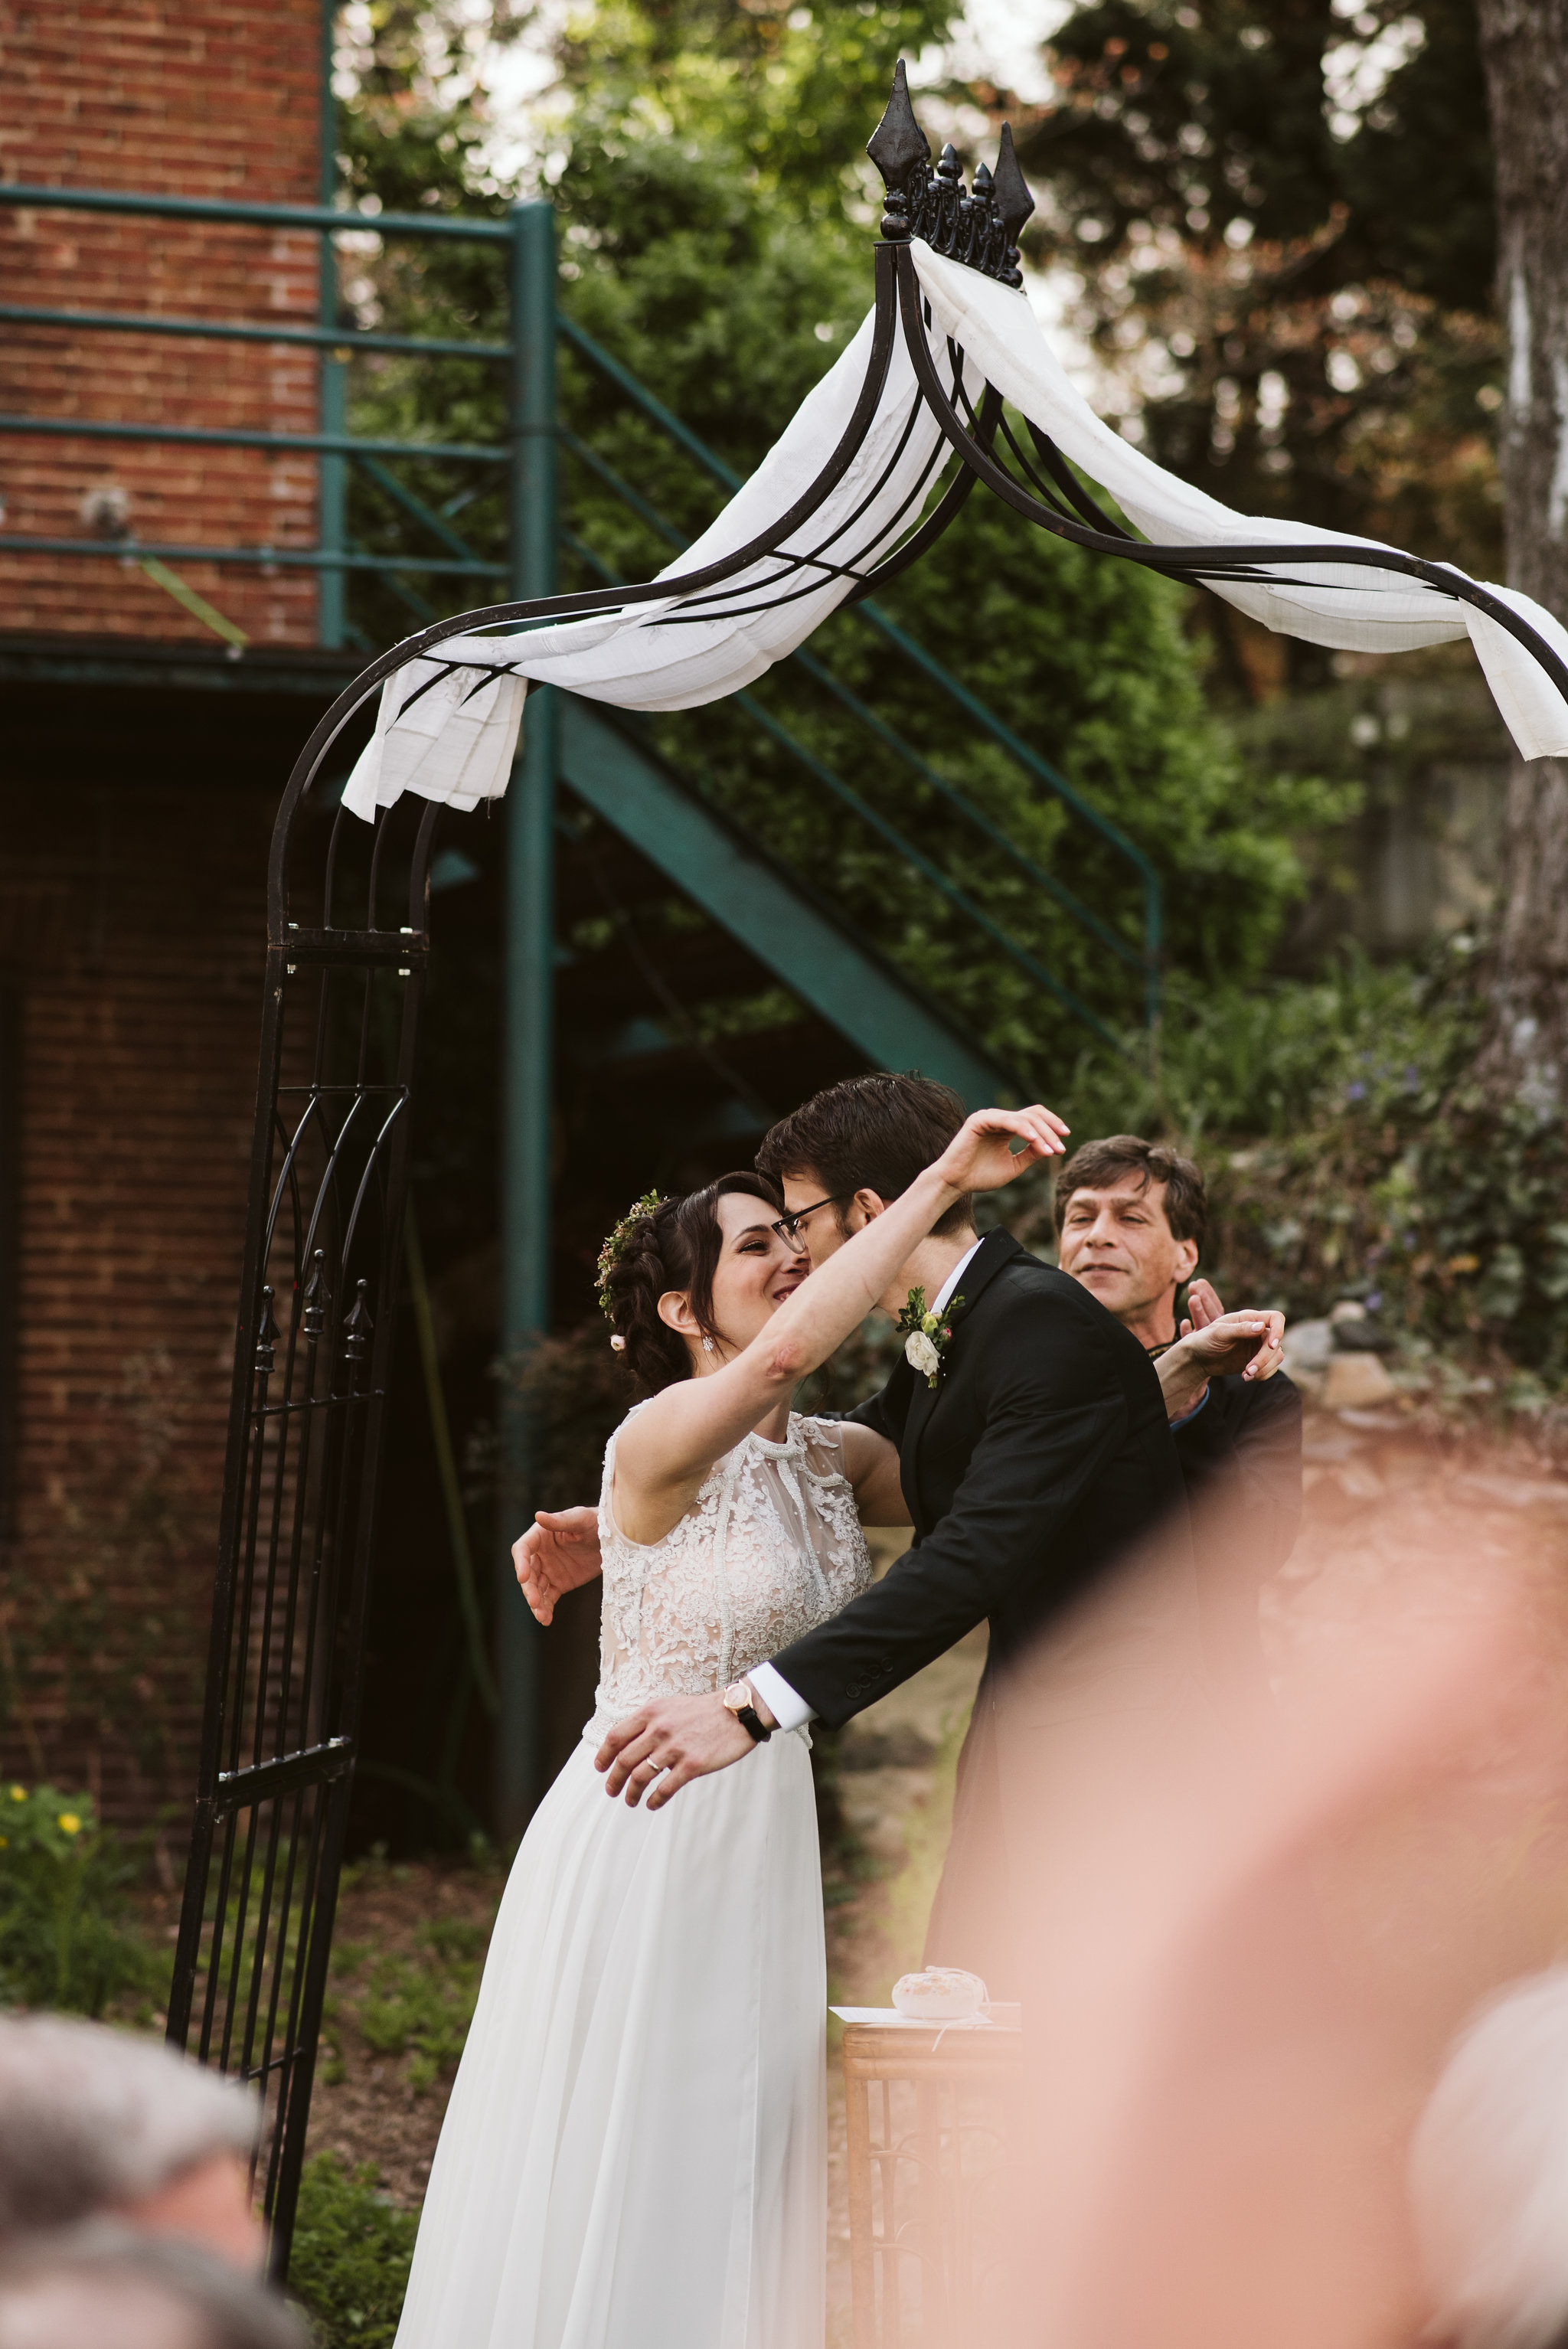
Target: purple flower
1356	1091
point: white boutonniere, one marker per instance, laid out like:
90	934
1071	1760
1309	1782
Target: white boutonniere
925	1335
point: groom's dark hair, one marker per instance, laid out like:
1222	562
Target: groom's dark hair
869	1134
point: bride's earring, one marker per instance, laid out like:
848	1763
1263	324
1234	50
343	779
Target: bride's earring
707	1345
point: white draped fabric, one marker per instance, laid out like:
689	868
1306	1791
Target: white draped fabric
447	724
1344	604
456	743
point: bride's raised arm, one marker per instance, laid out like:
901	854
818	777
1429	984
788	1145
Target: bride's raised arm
666	1449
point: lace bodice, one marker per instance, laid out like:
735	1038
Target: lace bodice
770	1546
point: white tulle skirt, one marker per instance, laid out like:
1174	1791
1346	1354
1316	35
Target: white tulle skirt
635	2153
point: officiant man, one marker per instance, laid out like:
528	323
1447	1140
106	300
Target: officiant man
1132	1216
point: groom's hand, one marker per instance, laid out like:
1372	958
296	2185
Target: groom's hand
560	1552
675	1739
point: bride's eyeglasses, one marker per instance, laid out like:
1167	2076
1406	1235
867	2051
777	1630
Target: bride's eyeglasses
790	1227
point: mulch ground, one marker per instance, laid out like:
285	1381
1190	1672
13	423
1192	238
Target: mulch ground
366	2108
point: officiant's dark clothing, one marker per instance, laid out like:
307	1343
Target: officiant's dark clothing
1040	1460
1241	1464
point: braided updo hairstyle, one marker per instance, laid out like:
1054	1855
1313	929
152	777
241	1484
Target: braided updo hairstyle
674	1245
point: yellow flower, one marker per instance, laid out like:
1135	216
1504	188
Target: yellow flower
18	1794
4	1841
70	1823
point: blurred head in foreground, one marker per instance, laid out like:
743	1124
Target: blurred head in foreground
1489	2176
103	2288
95	2123
1244	1945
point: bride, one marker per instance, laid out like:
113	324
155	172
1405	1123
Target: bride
634	2149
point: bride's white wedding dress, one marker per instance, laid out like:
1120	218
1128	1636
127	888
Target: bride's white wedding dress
633	2157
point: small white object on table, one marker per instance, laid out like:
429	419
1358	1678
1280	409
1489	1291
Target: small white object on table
1002	2014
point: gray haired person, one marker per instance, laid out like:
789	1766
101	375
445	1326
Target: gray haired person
96	2123
105	2287
1489	2176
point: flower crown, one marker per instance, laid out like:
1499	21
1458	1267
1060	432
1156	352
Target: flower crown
614	1246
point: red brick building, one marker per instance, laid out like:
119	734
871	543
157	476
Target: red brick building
185	97
141	771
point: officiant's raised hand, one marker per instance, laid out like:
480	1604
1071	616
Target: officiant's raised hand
560	1552
1216	1344
1220	1340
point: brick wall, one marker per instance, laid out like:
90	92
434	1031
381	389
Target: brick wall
200	98
136	920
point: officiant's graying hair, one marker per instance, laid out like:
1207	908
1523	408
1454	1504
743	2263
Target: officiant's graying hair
1100	1165
869	1134
673	1244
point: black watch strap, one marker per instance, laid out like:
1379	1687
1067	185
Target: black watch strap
750	1719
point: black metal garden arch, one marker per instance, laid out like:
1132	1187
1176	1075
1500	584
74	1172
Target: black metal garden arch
347	947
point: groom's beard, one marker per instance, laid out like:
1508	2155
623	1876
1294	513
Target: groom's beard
1245	1938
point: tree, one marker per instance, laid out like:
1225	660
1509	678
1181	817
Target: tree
1280	220
1524	43
715	224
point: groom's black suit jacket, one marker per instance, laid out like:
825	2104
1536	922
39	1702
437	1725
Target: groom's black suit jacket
1042	1458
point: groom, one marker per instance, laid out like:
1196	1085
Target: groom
1036	1460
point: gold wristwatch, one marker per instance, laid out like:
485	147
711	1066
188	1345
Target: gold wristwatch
740	1699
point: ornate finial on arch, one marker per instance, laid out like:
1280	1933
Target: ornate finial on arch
897	147
1013	201
267	1335
981	228
317	1298
358	1327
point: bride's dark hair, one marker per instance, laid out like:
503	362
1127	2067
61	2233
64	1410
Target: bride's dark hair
674	1245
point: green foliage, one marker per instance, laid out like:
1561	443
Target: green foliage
1348	1156
66	1940
1305	274
351	2252
713	215
419	2005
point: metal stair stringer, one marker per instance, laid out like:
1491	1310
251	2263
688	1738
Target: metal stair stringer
805	944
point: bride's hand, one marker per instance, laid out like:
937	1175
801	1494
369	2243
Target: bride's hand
560	1552
981	1156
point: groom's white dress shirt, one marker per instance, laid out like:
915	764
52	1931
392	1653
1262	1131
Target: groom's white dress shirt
789	1710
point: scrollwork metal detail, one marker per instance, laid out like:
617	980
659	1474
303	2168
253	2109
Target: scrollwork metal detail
980	226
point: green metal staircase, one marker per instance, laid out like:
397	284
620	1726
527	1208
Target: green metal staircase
814	947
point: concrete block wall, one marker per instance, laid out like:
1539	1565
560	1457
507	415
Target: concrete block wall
198	97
